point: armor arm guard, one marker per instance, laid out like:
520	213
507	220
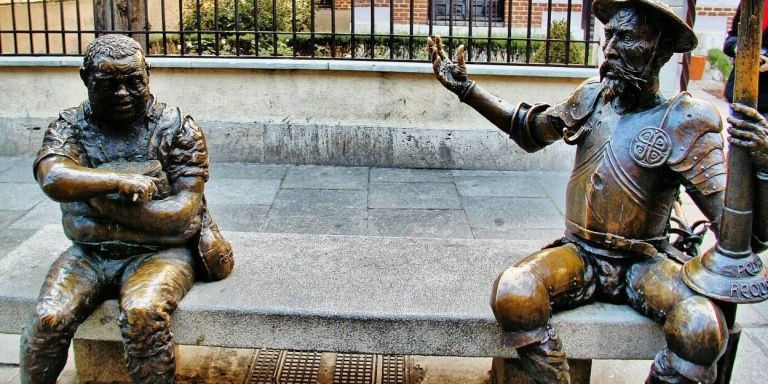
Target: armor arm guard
523	123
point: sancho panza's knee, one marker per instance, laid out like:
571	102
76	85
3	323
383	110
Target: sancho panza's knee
520	300
52	320
145	327
696	335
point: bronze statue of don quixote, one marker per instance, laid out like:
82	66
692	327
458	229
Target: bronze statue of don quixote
634	150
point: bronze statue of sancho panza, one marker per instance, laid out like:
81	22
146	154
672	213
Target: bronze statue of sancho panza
129	173
634	150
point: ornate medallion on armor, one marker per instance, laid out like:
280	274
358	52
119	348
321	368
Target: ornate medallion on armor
651	147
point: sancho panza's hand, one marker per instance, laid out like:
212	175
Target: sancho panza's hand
452	75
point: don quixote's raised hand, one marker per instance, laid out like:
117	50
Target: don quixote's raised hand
452	75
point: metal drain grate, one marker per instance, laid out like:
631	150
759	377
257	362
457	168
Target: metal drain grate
354	369
393	369
299	368
292	367
264	366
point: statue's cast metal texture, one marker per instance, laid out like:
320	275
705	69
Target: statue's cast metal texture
634	150
129	173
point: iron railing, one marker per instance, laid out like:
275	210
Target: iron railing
532	32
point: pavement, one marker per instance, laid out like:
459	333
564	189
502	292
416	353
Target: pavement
365	201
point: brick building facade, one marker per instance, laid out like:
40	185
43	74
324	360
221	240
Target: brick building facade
499	8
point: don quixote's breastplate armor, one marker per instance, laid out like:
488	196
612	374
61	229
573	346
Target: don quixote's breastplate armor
629	168
620	184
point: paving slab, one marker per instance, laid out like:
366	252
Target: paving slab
519	185
9	217
7	162
541	235
507	215
446	223
247	171
9	374
20	196
17	170
320	202
752	357
241	191
317	224
413	195
409	175
555	185
239	217
44	213
324	177
9	349
11	238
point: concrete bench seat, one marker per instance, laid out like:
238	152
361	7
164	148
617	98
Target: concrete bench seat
346	294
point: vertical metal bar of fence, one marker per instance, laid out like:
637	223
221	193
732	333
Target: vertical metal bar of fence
312	28
489	16
29	21
237	27
352	42
1	39
391	29
182	43
470	15
430	15
129	16
333	28
274	27
63	28
587	32
162	25
216	46
15	30
256	30
528	33
373	30
111	15
549	31
450	27
509	31
568	33
293	26
199	33
410	28
146	26
45	27
79	30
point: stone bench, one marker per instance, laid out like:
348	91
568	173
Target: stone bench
408	296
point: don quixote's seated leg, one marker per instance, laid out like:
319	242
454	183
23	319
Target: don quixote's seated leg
523	299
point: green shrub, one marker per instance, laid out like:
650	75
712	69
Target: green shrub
245	20
717	59
558	31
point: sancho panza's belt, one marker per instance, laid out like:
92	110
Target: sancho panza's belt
645	247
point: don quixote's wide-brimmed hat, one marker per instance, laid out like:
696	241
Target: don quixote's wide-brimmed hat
684	38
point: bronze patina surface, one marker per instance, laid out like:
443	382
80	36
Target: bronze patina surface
129	173
634	150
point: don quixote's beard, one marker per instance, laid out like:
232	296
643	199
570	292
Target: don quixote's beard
621	81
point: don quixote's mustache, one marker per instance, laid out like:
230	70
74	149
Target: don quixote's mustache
634	77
